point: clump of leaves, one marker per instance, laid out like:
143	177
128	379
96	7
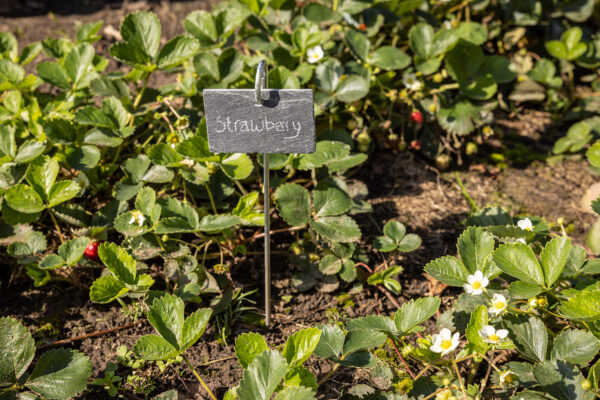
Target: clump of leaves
123	277
395	239
176	333
268	372
58	374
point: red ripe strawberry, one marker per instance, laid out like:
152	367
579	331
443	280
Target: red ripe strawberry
416	117
91	251
362	26
415	145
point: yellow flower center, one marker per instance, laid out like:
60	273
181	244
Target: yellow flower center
476	285
499	305
446	344
410	81
494	338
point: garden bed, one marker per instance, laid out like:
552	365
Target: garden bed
412	156
401	187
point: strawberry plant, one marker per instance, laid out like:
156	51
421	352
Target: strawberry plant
266	369
58	373
175	332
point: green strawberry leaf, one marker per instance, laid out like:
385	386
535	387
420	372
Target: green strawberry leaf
154	348
106	289
341	228
448	270
24	199
262	376
17	348
60	374
118	262
300	346
519	261
248	346
293	202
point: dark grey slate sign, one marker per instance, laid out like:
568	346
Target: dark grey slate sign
284	123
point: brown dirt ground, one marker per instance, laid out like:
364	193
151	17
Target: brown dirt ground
402	187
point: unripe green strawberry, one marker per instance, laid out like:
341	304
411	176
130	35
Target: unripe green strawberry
295	248
402	145
586	385
471	149
363	140
443	161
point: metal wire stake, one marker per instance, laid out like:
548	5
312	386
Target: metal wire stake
261	83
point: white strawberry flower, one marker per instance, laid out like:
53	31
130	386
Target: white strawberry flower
314	54
521	240
188	163
137	217
533	302
411	81
476	283
506	376
444	342
491	335
525	224
498	304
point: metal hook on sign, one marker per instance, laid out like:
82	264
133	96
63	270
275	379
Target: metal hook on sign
259	84
260	81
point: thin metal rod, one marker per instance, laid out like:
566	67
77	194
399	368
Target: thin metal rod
267	239
259	84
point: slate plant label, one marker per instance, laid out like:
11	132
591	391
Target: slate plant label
284	123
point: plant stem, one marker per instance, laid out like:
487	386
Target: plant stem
138	98
273	231
439	390
422	371
444	88
487	374
402	359
210	197
472	204
329	374
571	84
460	381
60	236
212	396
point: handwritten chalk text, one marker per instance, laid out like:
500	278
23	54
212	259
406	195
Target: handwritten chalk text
225	124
